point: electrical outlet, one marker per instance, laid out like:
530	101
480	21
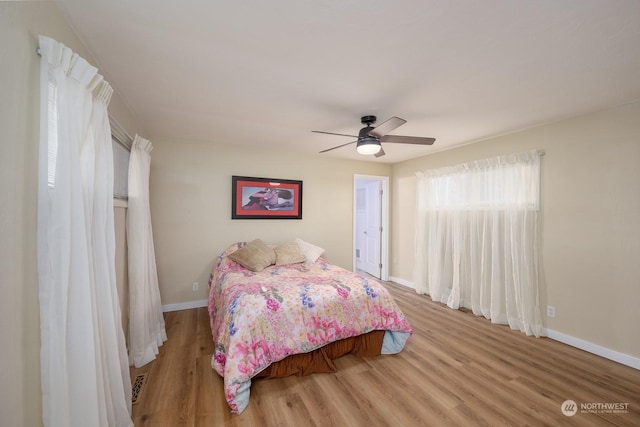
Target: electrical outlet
196	286
551	311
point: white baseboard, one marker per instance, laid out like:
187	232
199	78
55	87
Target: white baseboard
587	346
185	305
401	282
590	347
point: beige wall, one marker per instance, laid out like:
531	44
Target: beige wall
590	221
191	207
20	25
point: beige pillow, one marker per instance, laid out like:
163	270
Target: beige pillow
289	253
255	255
311	252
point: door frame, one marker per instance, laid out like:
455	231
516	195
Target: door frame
384	222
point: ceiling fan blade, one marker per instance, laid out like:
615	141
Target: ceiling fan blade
331	133
379	153
385	127
339	146
400	139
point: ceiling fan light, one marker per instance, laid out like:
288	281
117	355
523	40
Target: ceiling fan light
368	146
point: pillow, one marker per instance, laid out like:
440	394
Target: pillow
311	252
255	255
289	253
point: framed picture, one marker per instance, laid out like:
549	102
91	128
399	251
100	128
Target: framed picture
265	198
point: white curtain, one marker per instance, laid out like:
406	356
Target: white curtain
476	238
146	323
84	369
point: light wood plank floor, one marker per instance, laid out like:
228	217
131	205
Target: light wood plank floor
457	369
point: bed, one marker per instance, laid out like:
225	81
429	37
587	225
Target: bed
293	314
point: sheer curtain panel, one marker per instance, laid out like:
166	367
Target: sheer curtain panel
146	323
84	369
476	238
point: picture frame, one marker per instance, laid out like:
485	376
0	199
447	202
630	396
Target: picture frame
265	198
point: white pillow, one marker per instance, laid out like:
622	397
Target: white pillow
311	252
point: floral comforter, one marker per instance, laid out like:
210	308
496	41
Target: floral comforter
261	318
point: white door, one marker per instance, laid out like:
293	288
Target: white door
372	228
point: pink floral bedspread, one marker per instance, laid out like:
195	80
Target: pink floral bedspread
261	318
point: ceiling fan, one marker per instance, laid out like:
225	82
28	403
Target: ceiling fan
370	138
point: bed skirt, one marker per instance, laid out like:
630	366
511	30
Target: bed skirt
320	361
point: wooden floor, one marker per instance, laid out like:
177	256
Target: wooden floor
457	369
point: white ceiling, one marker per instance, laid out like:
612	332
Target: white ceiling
268	72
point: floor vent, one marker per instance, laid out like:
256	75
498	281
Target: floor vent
138	386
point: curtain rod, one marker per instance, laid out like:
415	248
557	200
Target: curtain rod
120	134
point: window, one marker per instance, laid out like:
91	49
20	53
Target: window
121	151
487	184
121	155
476	238
121	142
